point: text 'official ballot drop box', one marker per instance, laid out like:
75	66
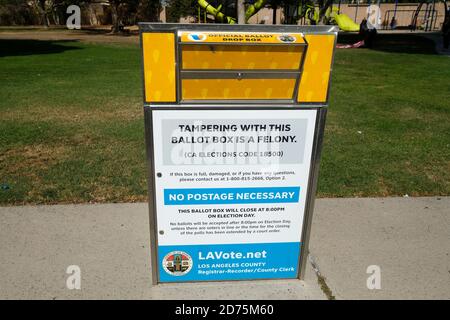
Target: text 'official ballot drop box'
234	120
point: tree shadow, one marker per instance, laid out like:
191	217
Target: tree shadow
19	47
126	32
395	42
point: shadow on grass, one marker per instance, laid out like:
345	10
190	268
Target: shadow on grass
16	47
97	31
395	42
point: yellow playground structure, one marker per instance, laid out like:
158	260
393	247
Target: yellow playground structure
306	10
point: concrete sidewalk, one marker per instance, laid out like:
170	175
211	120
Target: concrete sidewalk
408	238
110	244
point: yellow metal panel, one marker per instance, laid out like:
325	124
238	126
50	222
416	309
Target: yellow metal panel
241	57
241	37
213	89
316	69
159	67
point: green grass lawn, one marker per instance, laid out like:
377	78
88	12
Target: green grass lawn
71	122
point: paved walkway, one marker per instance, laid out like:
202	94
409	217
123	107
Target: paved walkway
69	35
110	244
408	238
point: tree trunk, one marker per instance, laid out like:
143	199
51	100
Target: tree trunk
155	11
241	11
274	15
115	17
44	18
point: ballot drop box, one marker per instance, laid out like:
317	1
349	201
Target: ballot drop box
234	122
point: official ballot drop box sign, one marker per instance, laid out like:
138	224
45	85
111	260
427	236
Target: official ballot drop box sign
234	120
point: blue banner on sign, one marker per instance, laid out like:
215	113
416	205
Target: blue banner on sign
231	195
228	262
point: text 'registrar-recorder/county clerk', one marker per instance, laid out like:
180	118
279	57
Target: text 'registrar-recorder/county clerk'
234	122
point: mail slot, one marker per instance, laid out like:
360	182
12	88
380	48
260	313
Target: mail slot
240	65
243	89
247	57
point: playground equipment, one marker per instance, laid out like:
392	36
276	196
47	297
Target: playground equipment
430	15
344	22
306	10
219	16
424	16
252	9
332	16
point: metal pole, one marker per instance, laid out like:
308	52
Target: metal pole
433	10
274	14
427	16
395	8
378	21
151	190
356	11
241	11
312	189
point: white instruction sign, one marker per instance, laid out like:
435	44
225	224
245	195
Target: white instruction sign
231	189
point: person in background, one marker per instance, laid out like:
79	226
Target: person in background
367	33
393	23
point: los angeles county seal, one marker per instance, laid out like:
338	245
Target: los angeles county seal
177	263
